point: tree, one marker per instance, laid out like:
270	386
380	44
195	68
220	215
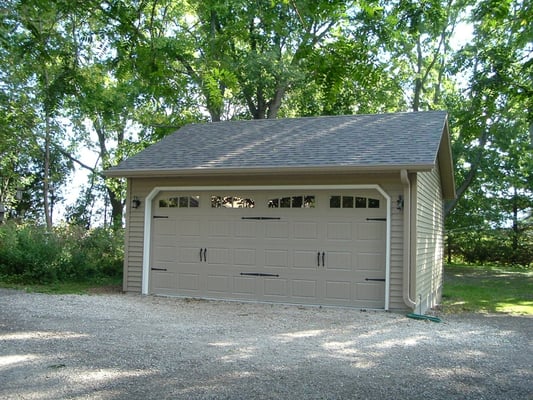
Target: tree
42	65
500	67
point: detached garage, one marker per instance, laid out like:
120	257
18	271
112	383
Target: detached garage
341	210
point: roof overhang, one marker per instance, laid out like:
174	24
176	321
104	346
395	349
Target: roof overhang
270	171
445	162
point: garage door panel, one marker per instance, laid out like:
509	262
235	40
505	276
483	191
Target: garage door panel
165	254
189	255
218	284
244	286
339	231
276	258
246	229
371	261
373	291
165	240
219	229
218	255
164	281
337	290
304	289
276	287
188	282
339	261
277	230
371	231
189	228
246	257
305	230
165	226
306	260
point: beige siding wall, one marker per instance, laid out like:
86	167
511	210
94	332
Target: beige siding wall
141	187
429	240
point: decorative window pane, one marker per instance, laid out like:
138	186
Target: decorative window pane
373	203
285	202
335	202
347	201
181	202
231	202
194	201
360	202
309	202
173	202
184	202
297	202
273	203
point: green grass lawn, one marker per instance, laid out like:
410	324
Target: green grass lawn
488	289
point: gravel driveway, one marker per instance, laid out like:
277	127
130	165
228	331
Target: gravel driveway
116	346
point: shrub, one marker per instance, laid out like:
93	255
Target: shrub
32	254
491	246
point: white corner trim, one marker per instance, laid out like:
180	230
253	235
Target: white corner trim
156	190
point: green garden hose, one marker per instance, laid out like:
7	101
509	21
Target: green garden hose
423	317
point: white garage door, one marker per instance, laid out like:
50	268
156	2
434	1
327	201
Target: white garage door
315	247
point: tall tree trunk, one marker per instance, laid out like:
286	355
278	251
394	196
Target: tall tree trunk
46	172
117	207
515	220
418	79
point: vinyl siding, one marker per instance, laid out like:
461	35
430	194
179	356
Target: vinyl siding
141	187
429	240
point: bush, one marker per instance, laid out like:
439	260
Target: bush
32	254
491	246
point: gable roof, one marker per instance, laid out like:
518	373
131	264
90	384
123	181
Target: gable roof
382	142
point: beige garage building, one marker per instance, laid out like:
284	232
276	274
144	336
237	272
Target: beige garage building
341	210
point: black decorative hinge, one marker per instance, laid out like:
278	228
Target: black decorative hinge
261	218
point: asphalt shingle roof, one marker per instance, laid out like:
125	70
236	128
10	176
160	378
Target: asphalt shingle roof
384	140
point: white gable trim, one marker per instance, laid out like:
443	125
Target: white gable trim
148	212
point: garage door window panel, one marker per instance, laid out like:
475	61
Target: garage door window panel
231	202
338	201
180	202
296	201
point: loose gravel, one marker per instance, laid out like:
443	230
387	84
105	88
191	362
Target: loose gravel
115	346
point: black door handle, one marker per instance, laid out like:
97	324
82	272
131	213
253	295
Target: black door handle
205	254
201	259
323	258
318	259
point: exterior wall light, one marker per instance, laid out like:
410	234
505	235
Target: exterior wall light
135	203
399	203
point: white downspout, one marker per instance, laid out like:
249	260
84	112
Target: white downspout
407	240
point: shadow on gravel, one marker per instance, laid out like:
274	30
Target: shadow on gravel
124	347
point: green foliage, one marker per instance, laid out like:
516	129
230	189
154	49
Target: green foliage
496	246
33	254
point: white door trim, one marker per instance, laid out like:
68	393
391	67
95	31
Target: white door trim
156	190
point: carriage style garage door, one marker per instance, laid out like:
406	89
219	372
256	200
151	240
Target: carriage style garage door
311	247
